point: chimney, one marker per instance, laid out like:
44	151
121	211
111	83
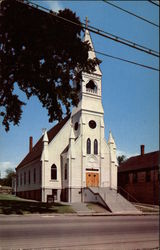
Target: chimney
30	143
142	149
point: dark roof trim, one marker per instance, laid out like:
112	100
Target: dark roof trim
37	149
137	163
137	169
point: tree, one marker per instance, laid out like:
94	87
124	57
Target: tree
7	181
43	56
121	159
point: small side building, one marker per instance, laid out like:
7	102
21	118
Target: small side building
138	177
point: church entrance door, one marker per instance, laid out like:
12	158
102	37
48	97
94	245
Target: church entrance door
92	179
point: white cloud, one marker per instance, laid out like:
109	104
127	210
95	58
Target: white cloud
127	154
54	5
4	165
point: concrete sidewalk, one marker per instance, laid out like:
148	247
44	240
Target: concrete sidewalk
79	214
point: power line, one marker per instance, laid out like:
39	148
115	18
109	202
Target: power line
142	18
125	60
104	54
154	3
97	31
122	40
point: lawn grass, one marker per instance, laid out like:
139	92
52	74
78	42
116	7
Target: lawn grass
10	204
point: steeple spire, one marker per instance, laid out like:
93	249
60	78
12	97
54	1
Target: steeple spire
110	139
91	54
44	156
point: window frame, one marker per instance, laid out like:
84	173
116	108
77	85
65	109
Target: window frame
96	147
53	172
135	177
20	179
65	172
34	175
148	176
24	178
88	146
127	178
29	177
92	87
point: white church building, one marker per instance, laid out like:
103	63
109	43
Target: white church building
73	161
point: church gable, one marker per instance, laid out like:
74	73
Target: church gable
37	149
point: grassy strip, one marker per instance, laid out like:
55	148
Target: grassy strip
10	204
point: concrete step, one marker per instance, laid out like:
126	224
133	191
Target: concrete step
114	201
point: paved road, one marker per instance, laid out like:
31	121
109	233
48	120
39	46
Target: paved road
73	232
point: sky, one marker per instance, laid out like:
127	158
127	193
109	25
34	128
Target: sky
130	93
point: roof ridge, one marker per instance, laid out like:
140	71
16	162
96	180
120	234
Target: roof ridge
147	160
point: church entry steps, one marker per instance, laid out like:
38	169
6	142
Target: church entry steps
110	199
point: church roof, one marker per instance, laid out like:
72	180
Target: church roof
37	149
145	161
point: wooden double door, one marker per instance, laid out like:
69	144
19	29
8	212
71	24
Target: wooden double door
92	179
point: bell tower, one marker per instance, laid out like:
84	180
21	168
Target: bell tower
90	93
91	159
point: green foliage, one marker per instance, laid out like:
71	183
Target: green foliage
42	56
7	181
121	159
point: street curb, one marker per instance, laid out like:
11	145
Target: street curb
118	214
80	214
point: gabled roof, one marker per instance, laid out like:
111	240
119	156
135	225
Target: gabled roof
37	149
146	161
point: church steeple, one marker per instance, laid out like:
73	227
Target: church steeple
91	54
90	93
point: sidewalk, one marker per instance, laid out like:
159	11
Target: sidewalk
80	214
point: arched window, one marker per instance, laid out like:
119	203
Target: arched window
53	172
91	87
88	146
95	147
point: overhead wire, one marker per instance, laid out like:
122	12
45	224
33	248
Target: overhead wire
123	41
131	13
125	60
90	29
99	31
154	3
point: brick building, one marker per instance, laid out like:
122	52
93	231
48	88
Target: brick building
138	177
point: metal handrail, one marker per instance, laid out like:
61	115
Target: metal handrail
103	201
128	194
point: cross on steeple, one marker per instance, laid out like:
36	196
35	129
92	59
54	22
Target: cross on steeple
87	21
